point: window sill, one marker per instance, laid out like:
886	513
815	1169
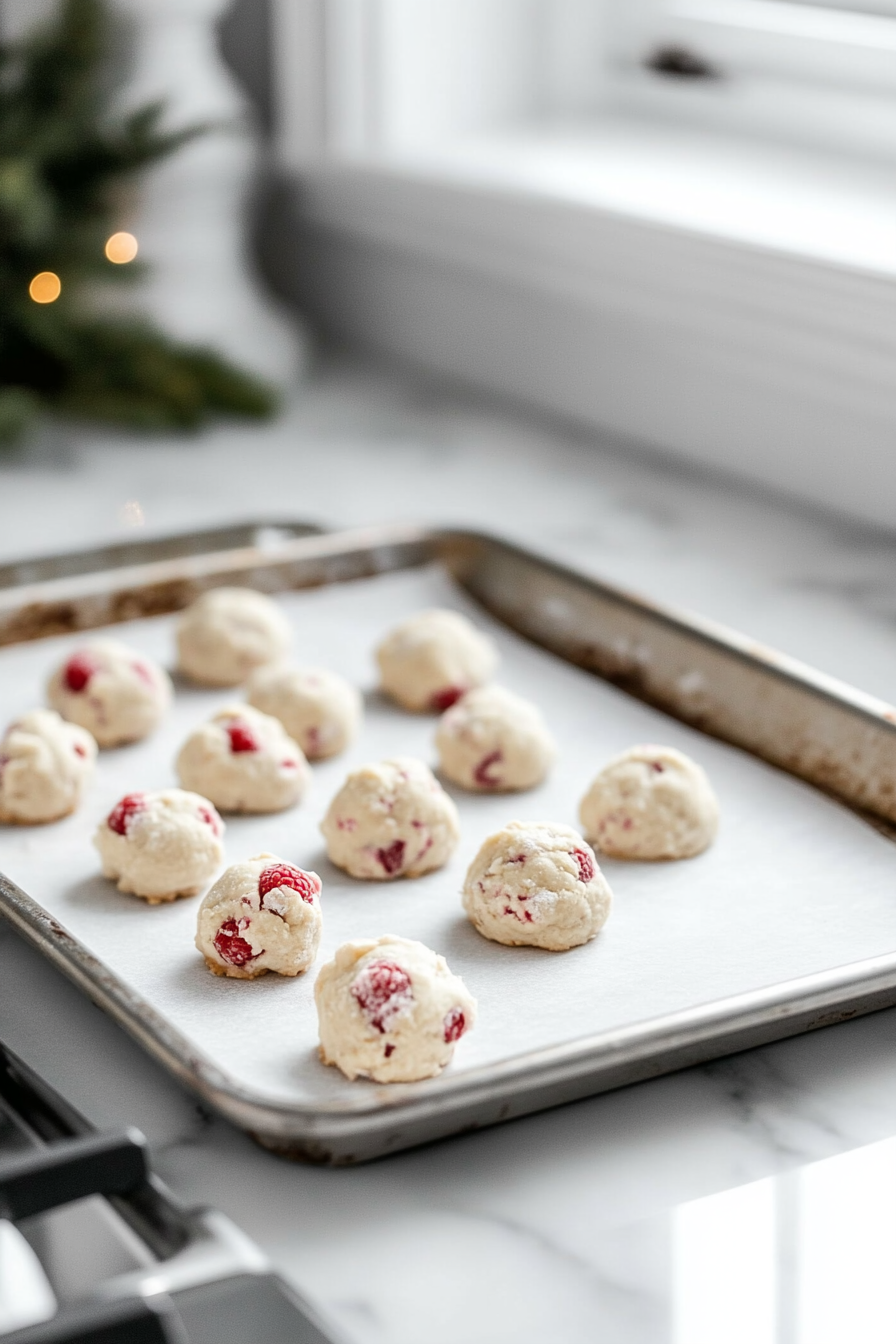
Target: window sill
732	303
753	194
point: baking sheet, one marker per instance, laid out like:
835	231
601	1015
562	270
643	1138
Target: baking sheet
795	883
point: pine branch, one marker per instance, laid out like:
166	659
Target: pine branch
19	409
134	375
64	161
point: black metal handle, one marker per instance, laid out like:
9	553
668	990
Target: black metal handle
97	1164
134	1321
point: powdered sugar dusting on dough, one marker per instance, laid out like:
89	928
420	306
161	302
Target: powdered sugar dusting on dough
537	885
391	1010
391	819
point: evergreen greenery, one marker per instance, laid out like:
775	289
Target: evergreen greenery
66	162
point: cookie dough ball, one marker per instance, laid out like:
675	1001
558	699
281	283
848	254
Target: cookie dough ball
390	1009
650	803
392	819
114	692
161	845
243	761
320	710
45	765
262	915
227	633
536	885
493	741
429	661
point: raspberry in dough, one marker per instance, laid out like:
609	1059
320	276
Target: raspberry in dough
161	845
45	766
429	661
227	633
536	885
493	741
114	692
650	803
319	709
243	761
392	819
390	1009
261	915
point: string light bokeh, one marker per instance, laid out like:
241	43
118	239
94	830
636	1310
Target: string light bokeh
121	248
45	287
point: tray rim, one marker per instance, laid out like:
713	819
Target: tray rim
428	541
140	541
338	1132
706	1031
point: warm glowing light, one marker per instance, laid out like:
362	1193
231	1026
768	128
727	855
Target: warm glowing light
45	287
121	247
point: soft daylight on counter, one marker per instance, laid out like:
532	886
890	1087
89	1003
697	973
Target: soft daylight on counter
447	646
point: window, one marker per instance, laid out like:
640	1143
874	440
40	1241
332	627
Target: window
848	45
615	209
392	75
819	73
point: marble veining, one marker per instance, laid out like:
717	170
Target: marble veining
551	1226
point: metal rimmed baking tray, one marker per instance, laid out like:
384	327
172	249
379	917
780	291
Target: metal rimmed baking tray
786	924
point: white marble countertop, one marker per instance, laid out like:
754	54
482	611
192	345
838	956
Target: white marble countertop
496	1236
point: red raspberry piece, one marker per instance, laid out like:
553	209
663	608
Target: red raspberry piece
657	766
481	773
585	863
119	818
285	875
79	750
78	671
454	1025
446	697
393	857
230	946
382	991
208	814
388	1049
144	673
241	736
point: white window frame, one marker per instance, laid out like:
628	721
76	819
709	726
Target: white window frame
805	72
786	38
364	88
